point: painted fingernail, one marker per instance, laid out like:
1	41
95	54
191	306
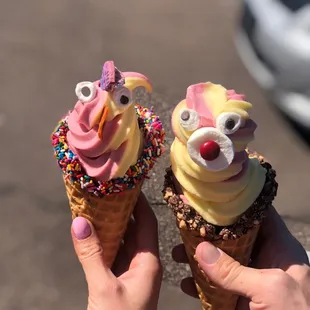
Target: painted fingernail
81	228
210	254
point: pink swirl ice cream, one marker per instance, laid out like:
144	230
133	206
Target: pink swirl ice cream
103	129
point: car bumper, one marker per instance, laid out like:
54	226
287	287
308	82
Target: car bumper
259	71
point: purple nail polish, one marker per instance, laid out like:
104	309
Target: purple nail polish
81	228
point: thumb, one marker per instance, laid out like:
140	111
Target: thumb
89	252
226	272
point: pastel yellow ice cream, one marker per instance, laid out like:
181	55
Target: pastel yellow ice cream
212	129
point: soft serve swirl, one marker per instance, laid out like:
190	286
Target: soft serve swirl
212	130
103	128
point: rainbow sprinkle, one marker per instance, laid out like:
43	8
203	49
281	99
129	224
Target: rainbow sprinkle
154	136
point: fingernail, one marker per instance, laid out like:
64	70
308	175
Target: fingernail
210	254
81	228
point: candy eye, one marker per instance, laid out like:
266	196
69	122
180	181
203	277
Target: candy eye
122	97
83	87
189	119
229	122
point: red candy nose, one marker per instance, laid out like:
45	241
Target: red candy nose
210	150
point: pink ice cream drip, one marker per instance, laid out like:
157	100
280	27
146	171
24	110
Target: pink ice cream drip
195	100
232	95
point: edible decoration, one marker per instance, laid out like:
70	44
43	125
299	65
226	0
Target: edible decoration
212	129
210	150
111	77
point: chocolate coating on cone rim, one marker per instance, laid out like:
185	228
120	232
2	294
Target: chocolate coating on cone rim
188	218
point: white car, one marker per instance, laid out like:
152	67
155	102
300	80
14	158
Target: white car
273	41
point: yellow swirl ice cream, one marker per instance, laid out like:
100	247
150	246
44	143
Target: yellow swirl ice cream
212	129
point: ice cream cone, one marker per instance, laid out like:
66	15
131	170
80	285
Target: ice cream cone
109	214
217	189
212	297
236	240
106	147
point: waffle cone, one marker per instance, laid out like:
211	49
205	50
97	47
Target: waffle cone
109	214
236	240
212	297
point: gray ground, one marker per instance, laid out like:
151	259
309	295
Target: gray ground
49	46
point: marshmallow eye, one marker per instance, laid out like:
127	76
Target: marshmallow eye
189	119
210	149
122	97
85	91
229	122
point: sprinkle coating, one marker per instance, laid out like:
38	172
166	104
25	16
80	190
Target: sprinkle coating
154	136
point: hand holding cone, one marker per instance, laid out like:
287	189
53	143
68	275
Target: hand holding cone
217	189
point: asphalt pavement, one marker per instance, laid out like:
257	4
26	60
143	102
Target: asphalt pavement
49	46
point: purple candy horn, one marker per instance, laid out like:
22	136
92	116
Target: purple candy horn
111	77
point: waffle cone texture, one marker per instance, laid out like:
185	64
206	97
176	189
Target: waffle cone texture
236	240
212	297
109	214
